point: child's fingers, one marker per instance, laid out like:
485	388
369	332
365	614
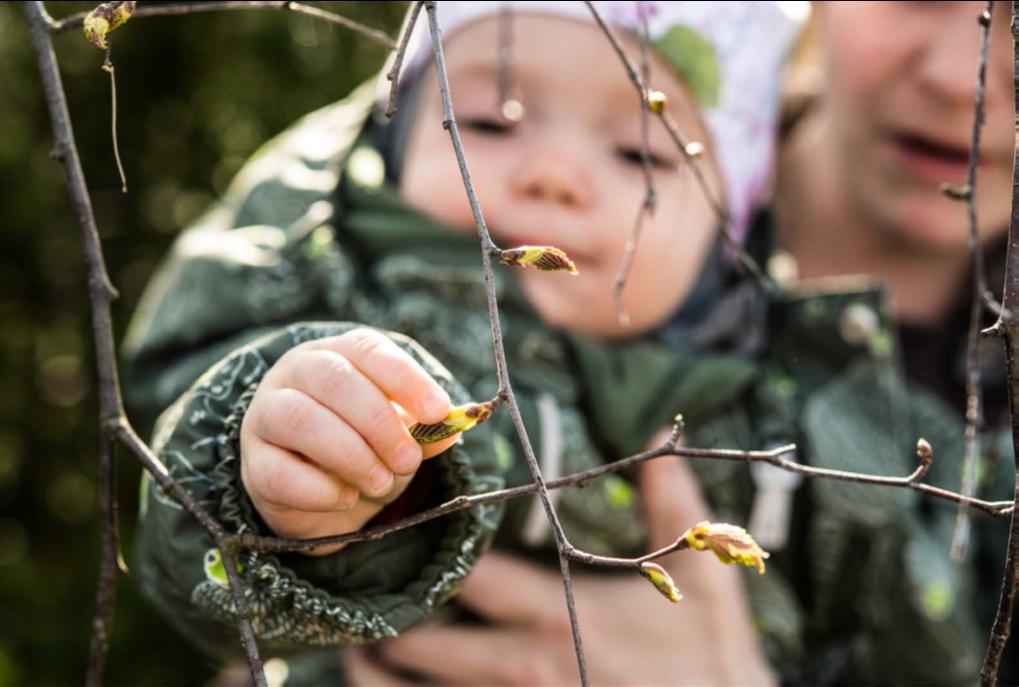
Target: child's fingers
293	420
392	369
280	478
332	380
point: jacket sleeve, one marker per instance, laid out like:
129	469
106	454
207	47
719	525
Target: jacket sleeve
258	274
367	591
261	257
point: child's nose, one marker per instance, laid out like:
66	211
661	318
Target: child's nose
546	174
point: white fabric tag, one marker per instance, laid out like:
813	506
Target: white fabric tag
537	530
772	509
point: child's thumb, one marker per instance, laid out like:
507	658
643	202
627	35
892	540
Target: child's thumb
672	499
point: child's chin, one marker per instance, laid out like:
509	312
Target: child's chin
580	321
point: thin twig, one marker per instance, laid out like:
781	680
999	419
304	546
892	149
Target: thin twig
974	396
577	479
108	68
176	9
1009	330
774	457
613	562
505	387
401	49
225	542
507	105
688	150
647	205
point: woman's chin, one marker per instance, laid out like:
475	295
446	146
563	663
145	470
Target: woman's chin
931	224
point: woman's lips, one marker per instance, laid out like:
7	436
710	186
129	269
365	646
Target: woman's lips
931	159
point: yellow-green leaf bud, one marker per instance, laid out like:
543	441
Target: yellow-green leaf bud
730	543
122	11
459	419
661	580
544	258
105	18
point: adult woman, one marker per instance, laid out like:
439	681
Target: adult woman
858	193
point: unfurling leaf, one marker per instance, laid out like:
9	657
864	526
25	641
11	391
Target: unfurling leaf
656	101
105	18
544	258
661	580
730	543
459	419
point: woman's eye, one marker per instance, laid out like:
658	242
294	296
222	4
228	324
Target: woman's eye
490	126
636	157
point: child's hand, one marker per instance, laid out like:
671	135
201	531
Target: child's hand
324	447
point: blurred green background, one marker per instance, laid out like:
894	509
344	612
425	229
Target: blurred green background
197	94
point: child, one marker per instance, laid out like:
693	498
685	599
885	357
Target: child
275	318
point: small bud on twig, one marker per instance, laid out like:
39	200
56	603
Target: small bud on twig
544	258
924	453
459	419
656	101
661	580
730	543
106	17
512	110
693	149
677	431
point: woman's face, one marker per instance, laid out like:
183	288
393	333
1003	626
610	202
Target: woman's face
901	85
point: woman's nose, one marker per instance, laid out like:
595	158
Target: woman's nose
947	69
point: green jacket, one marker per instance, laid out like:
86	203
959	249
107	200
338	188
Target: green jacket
310	242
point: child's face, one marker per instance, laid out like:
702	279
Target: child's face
569	173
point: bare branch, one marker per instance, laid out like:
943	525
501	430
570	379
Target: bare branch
577	479
106	588
1010	331
647	206
776	457
113	422
974	397
505	387
175	9
394	71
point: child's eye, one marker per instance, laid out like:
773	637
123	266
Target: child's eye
635	156
491	126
